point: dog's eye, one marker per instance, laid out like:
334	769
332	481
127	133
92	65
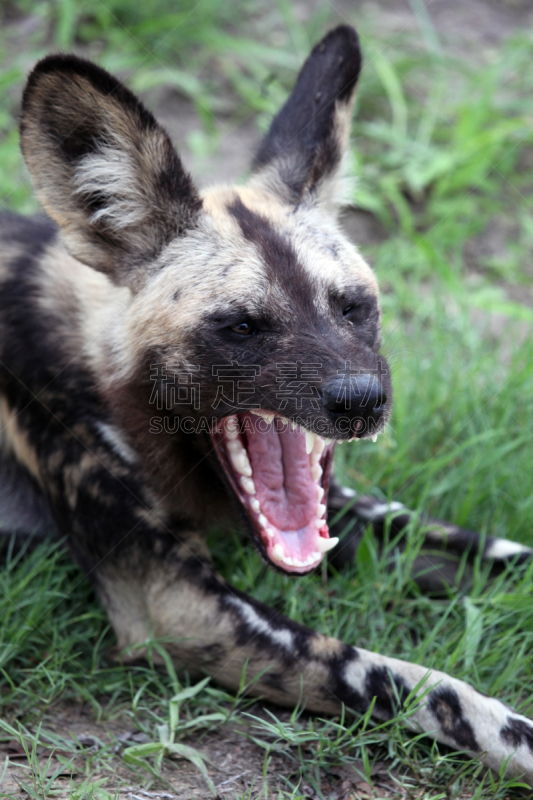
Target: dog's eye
353	311
356	312
243	329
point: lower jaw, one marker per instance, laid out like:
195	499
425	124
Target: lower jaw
278	554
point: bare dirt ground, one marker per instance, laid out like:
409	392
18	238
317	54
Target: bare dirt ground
237	765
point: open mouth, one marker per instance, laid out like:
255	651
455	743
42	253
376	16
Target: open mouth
280	473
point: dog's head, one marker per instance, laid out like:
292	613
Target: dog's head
262	319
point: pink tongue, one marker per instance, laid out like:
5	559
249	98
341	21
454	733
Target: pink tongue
282	473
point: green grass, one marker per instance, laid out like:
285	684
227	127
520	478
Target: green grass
443	151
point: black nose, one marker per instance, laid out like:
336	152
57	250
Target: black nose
356	397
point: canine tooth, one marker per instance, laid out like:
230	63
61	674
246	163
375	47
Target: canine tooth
320	444
316	472
310	439
319	493
254	502
263	521
320	510
375	437
278	552
323	545
241	463
248	485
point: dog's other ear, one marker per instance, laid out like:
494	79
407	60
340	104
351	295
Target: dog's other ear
103	168
301	155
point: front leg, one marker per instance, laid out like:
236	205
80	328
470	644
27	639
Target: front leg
440	561
208	625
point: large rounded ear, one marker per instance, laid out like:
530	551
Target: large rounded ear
103	168
302	152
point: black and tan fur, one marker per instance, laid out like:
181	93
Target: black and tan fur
132	267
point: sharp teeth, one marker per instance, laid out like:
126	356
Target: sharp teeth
319	493
278	552
315	457
316	472
254	502
267	415
320	510
375	437
323	545
320	444
231	427
248	485
309	441
263	521
241	463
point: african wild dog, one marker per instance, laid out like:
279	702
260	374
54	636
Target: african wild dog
132	268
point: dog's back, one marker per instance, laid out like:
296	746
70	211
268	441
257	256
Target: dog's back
24	511
48	300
